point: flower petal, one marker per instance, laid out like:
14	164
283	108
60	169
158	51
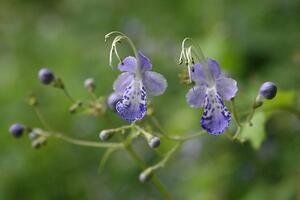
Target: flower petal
133	105
128	64
216	117
226	87
145	62
197	73
123	81
155	83
214	67
113	99
196	96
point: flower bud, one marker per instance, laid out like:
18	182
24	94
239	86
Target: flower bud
268	90
37	143
32	135
89	84
46	76
112	100
105	135
16	130
154	142
145	175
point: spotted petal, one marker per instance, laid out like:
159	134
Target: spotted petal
196	96
155	83
133	105
123	81
216	117
226	87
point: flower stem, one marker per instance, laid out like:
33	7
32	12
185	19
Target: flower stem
250	116
170	137
234	112
67	94
80	142
154	179
167	157
41	118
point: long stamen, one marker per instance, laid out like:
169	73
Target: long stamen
121	36
187	56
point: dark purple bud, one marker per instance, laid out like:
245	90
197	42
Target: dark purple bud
268	90
112	100
154	142
89	84
46	76
16	130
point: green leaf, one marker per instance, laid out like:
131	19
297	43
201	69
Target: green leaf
255	134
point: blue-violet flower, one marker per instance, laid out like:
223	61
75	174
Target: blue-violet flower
135	83
211	88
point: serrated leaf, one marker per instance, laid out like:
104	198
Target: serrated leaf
255	134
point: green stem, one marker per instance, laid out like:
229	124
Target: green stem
163	162
80	142
170	137
41	118
235	116
68	95
250	116
154	179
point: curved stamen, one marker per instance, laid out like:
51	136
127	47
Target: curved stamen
121	36
187	56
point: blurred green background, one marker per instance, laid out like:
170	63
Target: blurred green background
254	41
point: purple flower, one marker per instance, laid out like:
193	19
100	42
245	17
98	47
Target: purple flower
134	84
211	88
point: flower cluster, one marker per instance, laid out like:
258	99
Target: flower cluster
130	100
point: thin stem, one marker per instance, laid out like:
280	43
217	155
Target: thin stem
67	94
92	94
250	116
167	157
184	138
88	143
237	133
84	142
235	116
171	137
105	157
154	179
41	118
